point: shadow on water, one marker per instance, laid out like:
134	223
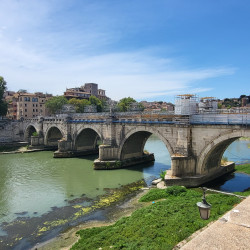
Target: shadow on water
235	182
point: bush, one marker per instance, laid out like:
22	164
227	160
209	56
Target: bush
224	160
156	194
162	174
176	190
35	134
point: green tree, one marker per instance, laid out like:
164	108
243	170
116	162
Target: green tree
124	103
55	103
3	104
79	104
96	101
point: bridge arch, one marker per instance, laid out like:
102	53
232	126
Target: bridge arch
30	129
53	135
87	138
133	143
211	155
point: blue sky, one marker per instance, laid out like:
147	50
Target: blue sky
146	49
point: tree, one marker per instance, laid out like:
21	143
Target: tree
96	101
79	104
55	104
124	103
2	87
3	104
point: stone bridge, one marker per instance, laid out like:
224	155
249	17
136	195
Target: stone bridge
196	143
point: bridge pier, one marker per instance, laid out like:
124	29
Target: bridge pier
109	159
183	165
37	141
198	180
65	150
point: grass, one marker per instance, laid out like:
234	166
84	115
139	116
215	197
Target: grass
244	168
245	193
160	225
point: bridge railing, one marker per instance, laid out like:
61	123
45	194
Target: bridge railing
226	119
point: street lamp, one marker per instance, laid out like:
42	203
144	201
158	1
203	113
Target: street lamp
204	207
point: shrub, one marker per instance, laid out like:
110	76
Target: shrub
224	160
162	174
35	134
176	190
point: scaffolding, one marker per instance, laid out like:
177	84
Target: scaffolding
186	104
208	104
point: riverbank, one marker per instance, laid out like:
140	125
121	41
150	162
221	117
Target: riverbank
145	222
171	212
25	232
243	168
68	238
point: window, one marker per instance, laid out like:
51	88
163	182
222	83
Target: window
33	110
25	104
25	110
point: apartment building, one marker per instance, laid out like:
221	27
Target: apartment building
26	105
85	91
78	93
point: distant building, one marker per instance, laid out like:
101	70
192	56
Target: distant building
157	106
26	105
186	104
135	106
91	88
85	91
102	95
208	104
244	101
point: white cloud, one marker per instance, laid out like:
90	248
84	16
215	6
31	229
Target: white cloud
38	53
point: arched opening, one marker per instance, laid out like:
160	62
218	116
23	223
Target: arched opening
140	144
134	145
53	136
88	139
210	157
214	156
29	132
238	152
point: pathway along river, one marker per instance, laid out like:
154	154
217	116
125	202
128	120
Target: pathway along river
33	184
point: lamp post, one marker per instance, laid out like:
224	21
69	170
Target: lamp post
204	207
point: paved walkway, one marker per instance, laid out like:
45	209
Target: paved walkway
232	231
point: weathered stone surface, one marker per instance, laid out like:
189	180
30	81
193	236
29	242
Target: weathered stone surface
197	180
155	182
195	149
109	165
161	185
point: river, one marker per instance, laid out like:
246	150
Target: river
33	184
